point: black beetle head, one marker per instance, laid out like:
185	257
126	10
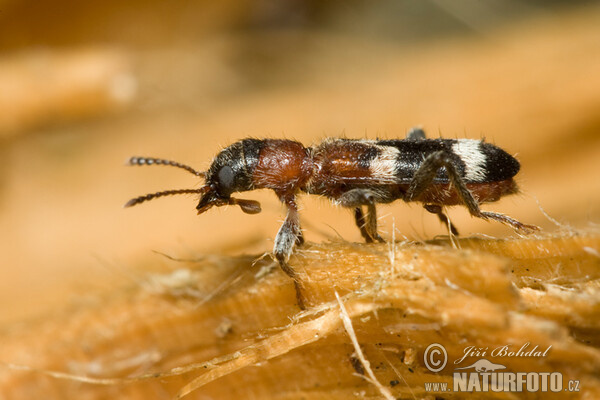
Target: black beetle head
221	180
230	172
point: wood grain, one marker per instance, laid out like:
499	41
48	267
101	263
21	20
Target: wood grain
238	322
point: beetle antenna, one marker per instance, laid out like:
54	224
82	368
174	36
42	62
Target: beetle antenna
160	161
152	196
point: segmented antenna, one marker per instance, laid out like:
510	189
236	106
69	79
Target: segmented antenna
151	196
160	161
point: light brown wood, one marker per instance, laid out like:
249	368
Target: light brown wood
237	320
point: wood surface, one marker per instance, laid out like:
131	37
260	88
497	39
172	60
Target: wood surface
222	327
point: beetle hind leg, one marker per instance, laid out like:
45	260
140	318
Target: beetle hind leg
505	219
437	209
423	179
416	133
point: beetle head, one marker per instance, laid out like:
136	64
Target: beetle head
220	183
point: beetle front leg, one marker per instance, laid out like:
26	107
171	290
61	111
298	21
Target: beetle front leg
288	235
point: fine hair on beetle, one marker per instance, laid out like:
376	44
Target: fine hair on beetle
356	174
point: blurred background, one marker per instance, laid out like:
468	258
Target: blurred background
84	86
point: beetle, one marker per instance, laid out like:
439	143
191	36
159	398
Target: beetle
356	174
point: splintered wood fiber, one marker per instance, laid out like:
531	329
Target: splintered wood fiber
229	328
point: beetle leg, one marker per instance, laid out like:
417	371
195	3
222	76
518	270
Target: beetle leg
505	219
437	209
299	237
424	176
415	133
359	217
372	222
357	198
288	235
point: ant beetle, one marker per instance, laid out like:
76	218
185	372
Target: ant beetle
355	173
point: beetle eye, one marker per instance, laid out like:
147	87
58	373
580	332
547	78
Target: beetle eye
226	179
